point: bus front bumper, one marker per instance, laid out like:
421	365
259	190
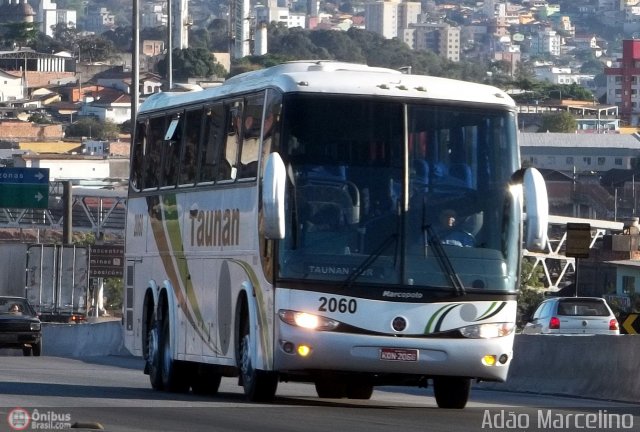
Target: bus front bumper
298	350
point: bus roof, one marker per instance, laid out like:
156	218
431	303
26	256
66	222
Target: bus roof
331	77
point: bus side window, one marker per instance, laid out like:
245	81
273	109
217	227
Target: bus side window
188	161
137	161
171	154
251	136
153	152
213	135
227	169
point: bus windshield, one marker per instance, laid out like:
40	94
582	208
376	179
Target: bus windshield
388	192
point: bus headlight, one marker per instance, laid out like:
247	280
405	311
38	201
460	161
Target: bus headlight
487	331
307	320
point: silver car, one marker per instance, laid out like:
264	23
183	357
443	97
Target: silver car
573	316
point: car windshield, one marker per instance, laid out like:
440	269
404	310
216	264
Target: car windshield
15	306
374	185
582	307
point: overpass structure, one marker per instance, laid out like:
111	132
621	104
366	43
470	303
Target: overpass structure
99	211
556	265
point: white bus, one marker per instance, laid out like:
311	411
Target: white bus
284	226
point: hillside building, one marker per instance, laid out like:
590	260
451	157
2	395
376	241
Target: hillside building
623	82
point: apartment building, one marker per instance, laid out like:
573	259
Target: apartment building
389	18
546	42
623	82
440	38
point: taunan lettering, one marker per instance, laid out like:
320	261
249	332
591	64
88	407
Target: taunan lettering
215	228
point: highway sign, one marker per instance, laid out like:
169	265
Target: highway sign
24	188
631	324
106	261
578	240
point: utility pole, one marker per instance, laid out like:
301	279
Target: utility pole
170	44
135	66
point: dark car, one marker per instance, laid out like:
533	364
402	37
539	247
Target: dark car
19	326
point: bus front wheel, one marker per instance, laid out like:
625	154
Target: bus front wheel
330	388
259	386
451	392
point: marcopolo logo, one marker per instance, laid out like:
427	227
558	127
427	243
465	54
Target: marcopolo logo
404	295
20	419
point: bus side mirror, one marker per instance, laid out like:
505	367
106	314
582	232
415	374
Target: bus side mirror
536	204
273	184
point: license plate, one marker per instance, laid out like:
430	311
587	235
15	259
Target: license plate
399	354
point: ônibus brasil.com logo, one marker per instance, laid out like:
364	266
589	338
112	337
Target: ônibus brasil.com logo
20	419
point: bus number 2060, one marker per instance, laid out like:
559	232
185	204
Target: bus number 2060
332	304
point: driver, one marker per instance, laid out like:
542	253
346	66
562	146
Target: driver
450	233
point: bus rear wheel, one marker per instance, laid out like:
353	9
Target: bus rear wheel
259	386
153	357
451	392
173	373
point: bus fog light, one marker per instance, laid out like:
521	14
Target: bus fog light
304	350
489	360
503	359
288	347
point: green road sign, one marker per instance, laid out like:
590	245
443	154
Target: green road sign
24	188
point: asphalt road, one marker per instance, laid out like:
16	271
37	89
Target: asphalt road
112	392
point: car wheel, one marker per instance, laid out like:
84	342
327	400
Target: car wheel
26	351
36	349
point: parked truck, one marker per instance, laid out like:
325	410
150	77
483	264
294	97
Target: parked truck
54	278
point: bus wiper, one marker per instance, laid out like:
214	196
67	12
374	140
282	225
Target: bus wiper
357	272
444	261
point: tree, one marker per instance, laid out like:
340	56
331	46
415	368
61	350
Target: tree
92	128
339	44
40	118
121	37
525	78
66	35
531	294
113	291
192	62
559	122
95	49
19	34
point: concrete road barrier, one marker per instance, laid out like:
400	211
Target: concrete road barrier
80	340
601	367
